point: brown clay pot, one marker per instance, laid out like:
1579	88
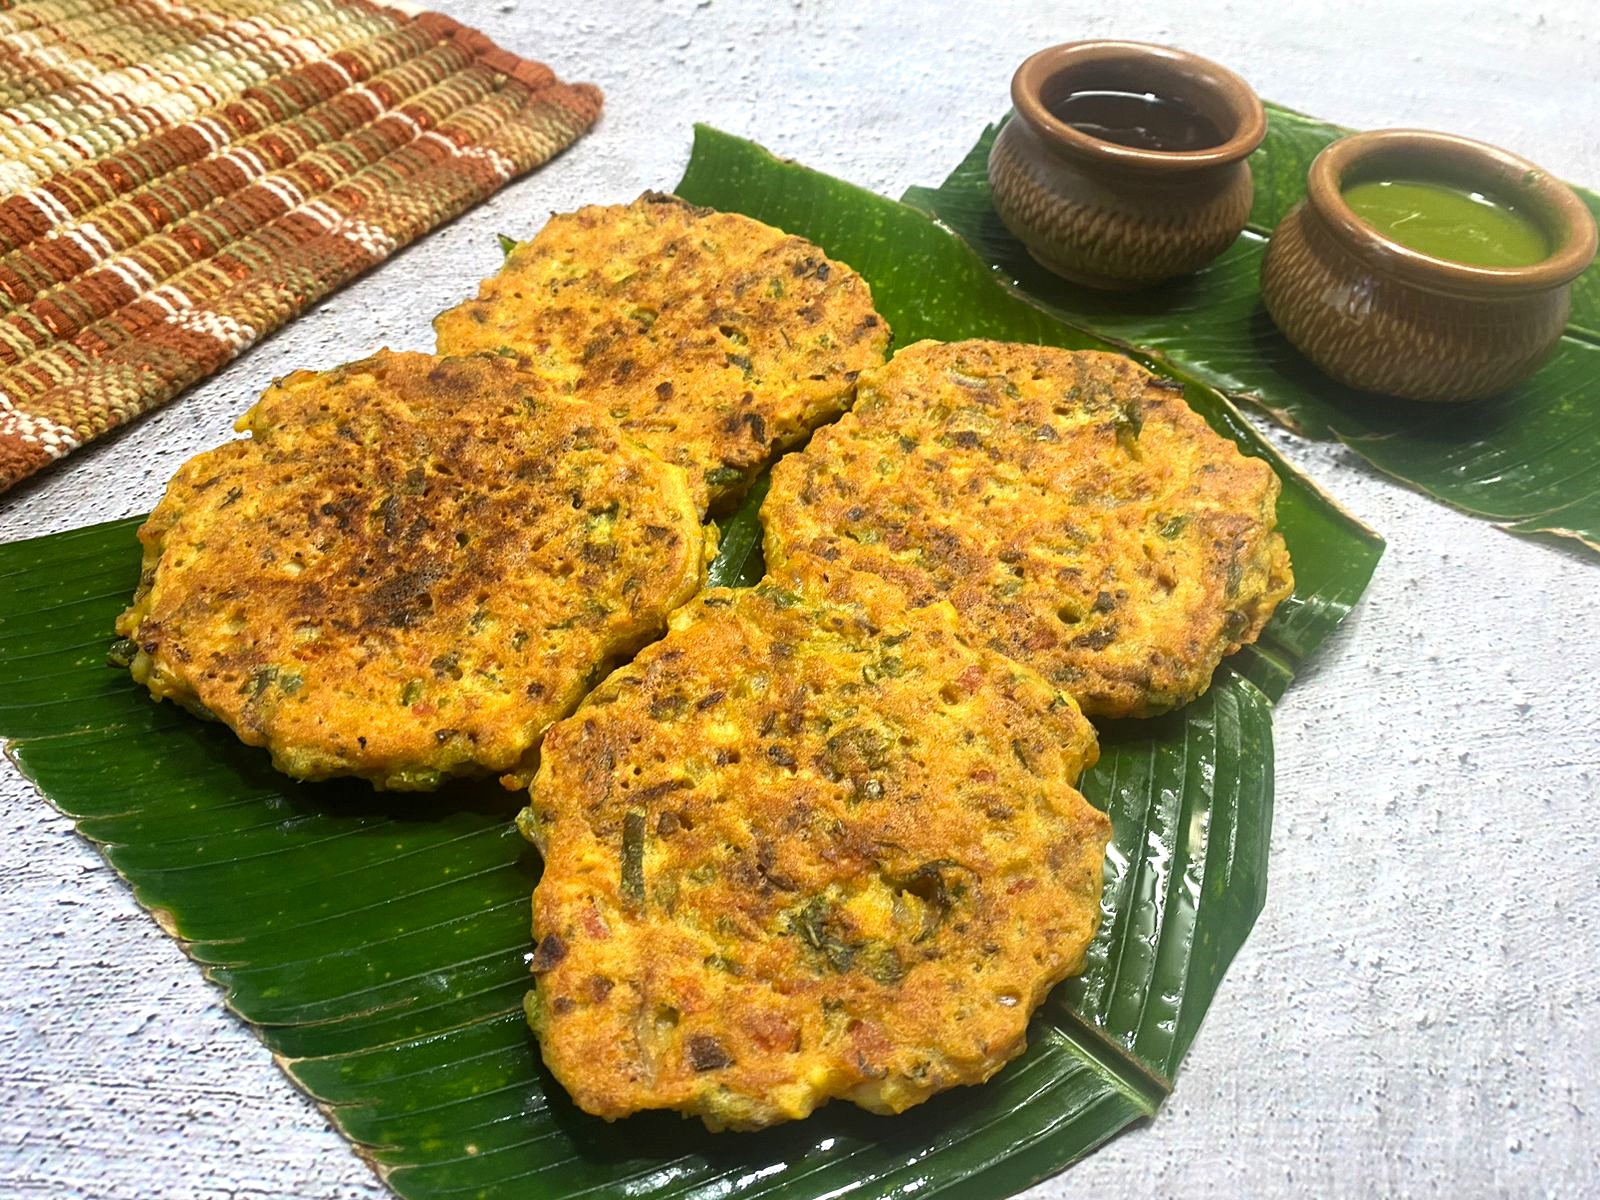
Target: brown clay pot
1115	216
1384	318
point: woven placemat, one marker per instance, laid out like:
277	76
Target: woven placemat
178	180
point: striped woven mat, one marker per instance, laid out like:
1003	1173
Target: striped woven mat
178	179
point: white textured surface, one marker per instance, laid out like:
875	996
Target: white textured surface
1416	1010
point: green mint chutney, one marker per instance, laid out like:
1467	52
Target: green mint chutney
1449	222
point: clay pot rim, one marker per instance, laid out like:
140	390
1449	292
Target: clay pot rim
1449	157
1159	63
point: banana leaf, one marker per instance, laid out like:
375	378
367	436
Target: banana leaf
378	944
1528	459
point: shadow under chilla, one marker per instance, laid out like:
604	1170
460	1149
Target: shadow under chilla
835	1130
345	798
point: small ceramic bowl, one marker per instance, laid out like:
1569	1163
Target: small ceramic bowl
1119	216
1384	318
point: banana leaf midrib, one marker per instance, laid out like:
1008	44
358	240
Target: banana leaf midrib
1145	1087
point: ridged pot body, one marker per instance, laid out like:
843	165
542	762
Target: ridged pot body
1378	333
1110	226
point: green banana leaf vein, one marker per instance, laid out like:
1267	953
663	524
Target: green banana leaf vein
378	944
1529	459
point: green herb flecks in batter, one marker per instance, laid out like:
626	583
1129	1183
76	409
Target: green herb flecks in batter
633	857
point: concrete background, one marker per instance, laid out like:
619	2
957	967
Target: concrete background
1415	1013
